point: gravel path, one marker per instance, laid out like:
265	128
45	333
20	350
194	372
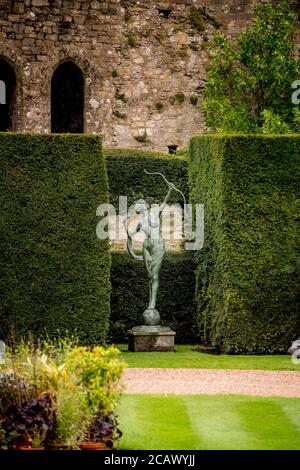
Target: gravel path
211	382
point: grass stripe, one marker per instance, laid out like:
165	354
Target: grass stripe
187	357
154	422
157	422
293	413
268	423
217	422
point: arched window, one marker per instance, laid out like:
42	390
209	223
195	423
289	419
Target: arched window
67	99
8	84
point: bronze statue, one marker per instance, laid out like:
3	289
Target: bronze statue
153	248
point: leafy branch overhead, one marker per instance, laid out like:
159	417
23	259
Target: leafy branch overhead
249	85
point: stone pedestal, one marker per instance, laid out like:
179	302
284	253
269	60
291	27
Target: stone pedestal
147	339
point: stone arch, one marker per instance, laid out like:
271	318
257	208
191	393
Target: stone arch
8	96
67	98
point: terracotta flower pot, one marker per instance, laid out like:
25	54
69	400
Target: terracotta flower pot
31	448
93	445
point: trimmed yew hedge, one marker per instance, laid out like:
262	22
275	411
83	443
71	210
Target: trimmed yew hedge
54	272
126	175
175	301
247	286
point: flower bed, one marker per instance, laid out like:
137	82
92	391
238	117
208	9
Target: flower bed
59	396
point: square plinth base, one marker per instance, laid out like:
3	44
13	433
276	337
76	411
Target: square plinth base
142	341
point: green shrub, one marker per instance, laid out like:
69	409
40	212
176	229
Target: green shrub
54	270
196	19
127	177
183	53
76	383
175	300
127	16
159	106
179	97
247	279
249	80
193	46
72	415
131	40
121	96
97	372
194	100
119	114
199	17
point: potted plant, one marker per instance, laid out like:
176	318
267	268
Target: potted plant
97	373
6	440
58	395
102	433
36	441
71	417
32	421
14	390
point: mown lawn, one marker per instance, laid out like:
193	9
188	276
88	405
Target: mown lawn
186	357
154	422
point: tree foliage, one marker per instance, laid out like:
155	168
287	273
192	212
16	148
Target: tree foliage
249	85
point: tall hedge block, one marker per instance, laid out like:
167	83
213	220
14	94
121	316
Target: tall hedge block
247	283
126	175
175	300
54	271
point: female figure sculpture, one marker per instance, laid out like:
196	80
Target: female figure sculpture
153	249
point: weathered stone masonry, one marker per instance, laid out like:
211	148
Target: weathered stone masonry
143	62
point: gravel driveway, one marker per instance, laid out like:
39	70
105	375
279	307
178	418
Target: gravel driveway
211	382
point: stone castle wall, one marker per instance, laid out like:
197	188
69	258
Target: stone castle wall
144	62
